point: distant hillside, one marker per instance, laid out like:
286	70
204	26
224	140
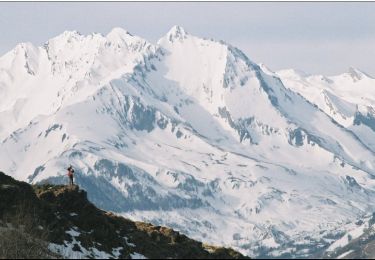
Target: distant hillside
46	221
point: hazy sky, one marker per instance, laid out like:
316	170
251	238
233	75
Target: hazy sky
321	37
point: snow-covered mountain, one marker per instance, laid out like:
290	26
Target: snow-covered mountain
192	134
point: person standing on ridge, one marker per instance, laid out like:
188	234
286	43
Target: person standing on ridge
70	175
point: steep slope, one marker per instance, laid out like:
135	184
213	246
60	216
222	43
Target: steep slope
188	133
77	229
348	98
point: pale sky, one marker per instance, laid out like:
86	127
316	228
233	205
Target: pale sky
319	38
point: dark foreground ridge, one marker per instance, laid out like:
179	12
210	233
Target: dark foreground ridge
47	221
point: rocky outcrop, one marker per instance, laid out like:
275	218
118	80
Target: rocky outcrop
63	220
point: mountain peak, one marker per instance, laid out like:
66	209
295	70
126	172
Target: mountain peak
23	47
122	37
356	74
118	32
176	32
66	36
293	73
266	69
69	34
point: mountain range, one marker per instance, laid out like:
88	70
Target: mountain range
191	134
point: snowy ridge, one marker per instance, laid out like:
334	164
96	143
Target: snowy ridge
192	134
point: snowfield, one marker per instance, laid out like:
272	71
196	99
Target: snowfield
192	134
